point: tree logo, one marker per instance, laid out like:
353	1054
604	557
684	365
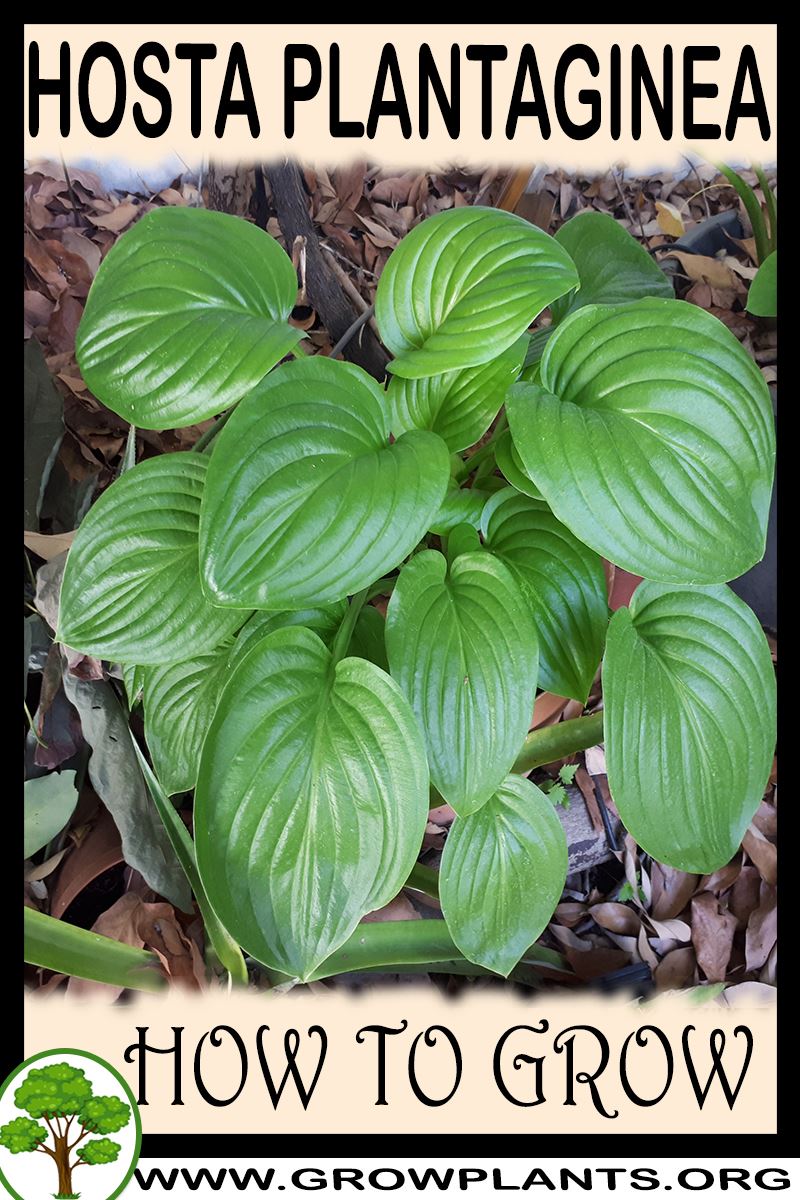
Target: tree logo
57	1111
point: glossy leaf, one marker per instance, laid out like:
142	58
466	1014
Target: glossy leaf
131	590
461	506
613	266
510	465
369	638
652	438
306	501
462	646
463	286
563	582
188	311
762	298
312	799
324	621
133	679
689	693
458	405
502	874
49	803
179	702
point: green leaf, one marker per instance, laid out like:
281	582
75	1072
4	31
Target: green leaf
458	405
369	638
689	693
463	286
306	501
131	590
762	299
503	871
133	678
68	950
311	802
462	646
461	506
49	803
613	267
563	582
462	539
187	313
179	702
324	621
510	465
652	438
44	429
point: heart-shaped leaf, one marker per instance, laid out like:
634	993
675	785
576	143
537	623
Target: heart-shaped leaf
689	721
458	405
503	871
311	802
306	501
463	648
564	583
463	286
131	590
613	267
179	702
188	311
652	438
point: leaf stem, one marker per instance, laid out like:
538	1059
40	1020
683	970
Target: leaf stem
225	948
482	452
559	741
424	879
207	438
345	632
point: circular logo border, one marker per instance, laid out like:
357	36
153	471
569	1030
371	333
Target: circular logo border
126	1087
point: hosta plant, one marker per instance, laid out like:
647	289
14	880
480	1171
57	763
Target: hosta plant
234	583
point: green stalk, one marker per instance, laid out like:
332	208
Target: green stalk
482	452
394	946
772	207
345	631
559	741
224	946
424	879
205	439
752	208
68	950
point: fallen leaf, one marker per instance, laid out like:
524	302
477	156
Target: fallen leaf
701	267
119	218
676	969
763	853
670	219
712	936
762	929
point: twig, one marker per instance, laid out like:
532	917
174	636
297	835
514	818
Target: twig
352	290
624	200
299	264
72	195
353	330
702	191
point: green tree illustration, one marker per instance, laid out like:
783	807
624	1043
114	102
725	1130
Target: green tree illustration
61	1096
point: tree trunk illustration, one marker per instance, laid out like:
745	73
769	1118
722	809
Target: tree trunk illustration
64	1168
